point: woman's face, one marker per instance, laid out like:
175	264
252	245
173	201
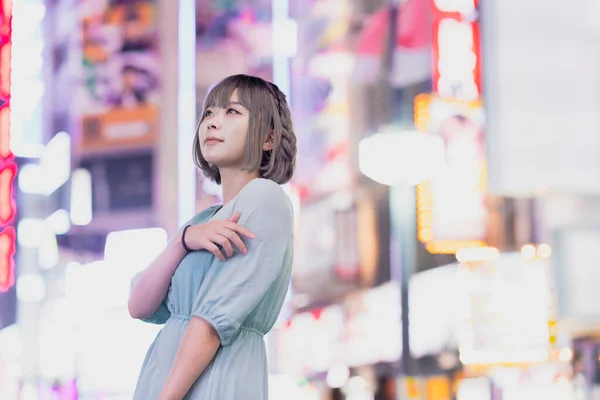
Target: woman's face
223	133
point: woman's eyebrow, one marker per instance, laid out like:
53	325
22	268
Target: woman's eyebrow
230	103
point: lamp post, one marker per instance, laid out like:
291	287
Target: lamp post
402	159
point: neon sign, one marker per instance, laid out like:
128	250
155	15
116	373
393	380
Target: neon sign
451	209
456	50
7	200
7	250
8	167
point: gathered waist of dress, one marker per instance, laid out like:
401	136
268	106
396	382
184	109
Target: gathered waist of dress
186	318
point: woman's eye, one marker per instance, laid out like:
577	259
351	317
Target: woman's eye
207	113
232	111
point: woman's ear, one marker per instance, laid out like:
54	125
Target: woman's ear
269	143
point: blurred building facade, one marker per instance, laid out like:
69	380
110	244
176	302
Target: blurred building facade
444	248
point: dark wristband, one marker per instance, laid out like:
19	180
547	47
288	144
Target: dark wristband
185	246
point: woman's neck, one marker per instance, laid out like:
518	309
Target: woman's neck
232	181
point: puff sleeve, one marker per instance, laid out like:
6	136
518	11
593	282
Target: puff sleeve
232	289
162	313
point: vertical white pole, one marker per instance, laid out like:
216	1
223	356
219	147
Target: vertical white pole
186	109
281	69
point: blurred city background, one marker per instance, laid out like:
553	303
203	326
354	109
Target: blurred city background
447	193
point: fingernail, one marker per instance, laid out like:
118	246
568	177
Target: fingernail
245	251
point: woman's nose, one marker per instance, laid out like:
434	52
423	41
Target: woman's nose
215	121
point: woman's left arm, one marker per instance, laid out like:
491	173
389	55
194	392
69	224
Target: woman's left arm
232	289
198	347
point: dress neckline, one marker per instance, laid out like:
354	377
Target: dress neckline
217	208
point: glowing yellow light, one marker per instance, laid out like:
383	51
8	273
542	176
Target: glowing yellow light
528	251
477	254
451	246
426	232
544	250
421	114
565	354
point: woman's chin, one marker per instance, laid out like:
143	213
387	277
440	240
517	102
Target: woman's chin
218	162
213	159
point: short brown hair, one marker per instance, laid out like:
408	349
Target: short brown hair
270	118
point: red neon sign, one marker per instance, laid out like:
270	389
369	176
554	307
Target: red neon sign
8	207
7	252
457	84
8	167
455	8
456	50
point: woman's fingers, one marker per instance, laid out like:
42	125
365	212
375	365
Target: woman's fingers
219	237
234	218
235	239
224	243
239	229
213	248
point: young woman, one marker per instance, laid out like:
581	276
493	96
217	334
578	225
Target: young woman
219	285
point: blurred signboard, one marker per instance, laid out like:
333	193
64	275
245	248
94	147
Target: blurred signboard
322	74
365	329
232	37
540	93
8	169
373	327
451	209
456	49
119	100
509	310
8	173
577	277
122	182
312	342
435	320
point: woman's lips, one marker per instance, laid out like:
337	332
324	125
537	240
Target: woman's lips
212	141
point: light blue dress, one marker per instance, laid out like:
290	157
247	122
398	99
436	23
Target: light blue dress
241	298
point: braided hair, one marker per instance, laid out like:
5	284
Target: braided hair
284	144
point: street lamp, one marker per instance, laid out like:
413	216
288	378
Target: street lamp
403	157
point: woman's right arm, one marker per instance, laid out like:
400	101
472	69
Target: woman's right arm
151	285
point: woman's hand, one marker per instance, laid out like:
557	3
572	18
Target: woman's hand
218	235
